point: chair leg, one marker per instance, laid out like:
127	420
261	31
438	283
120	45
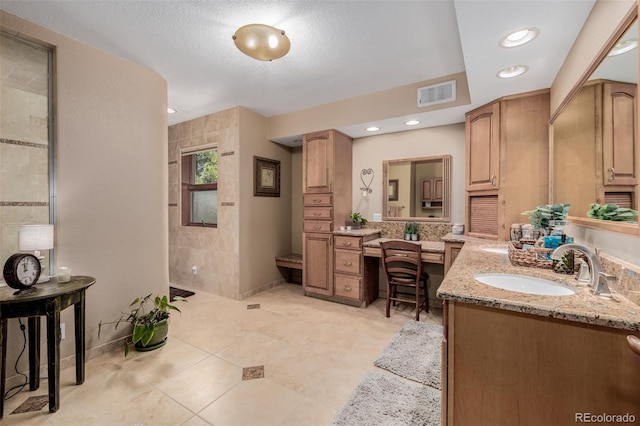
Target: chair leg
426	297
388	300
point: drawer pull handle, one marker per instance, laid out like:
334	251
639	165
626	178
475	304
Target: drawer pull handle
634	343
345	243
315	200
346	263
612	174
316	213
316	227
492	179
347	288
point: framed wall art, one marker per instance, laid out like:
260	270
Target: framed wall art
266	177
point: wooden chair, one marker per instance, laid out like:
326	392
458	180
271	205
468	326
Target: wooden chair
403	267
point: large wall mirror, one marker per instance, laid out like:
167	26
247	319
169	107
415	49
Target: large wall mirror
417	189
595	136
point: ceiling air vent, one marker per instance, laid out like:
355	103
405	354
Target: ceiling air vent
437	93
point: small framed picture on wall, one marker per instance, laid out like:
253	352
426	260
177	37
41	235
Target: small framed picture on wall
266	177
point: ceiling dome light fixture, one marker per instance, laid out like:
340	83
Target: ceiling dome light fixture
372	129
520	37
262	42
623	47
513	71
412	122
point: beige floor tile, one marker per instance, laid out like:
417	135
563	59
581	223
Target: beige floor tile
314	354
253	402
202	383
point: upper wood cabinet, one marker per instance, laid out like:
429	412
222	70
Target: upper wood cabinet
507	162
594	148
432	189
483	139
619	133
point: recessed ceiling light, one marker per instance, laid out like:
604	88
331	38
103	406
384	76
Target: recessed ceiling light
513	71
623	47
171	111
372	129
520	37
412	122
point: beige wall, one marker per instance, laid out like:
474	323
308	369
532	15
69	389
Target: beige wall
371	151
265	222
214	251
296	200
111	200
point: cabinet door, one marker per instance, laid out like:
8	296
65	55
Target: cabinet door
427	189
438	189
483	142
317	162
618	134
317	255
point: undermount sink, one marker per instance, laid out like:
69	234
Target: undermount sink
499	250
524	284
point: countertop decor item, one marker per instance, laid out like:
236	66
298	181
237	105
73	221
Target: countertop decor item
35	238
542	216
357	220
613	212
150	328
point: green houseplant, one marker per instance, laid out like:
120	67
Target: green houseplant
357	221
612	212
546	215
150	328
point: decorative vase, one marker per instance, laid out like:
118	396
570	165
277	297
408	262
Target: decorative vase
414	237
407	237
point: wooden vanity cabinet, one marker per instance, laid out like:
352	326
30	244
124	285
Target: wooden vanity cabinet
451	251
432	189
507	149
326	176
355	276
506	368
595	157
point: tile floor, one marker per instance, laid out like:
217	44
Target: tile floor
277	358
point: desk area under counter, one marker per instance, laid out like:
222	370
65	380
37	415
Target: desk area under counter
544	359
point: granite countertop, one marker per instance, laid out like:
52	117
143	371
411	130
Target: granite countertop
460	285
358	232
453	238
428	246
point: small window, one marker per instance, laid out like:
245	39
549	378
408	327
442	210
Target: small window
200	188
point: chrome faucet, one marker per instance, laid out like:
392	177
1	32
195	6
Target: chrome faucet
599	279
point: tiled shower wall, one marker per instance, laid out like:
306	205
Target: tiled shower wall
213	250
24	144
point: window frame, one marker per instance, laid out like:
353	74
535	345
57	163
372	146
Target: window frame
187	186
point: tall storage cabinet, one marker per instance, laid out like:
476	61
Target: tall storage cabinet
507	169
326	183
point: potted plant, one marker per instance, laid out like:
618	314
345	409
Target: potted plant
150	328
357	221
611	211
411	231
547	216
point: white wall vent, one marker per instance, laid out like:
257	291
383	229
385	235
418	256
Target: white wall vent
437	93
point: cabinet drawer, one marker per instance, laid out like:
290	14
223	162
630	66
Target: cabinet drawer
317	199
348	286
348	261
318	213
318	226
432	257
350	243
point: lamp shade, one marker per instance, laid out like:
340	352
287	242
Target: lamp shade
35	237
262	42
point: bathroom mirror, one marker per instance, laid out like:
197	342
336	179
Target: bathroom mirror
417	189
595	144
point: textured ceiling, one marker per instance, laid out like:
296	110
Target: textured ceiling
339	49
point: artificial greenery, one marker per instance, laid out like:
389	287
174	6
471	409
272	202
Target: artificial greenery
613	212
541	215
411	228
357	218
145	323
